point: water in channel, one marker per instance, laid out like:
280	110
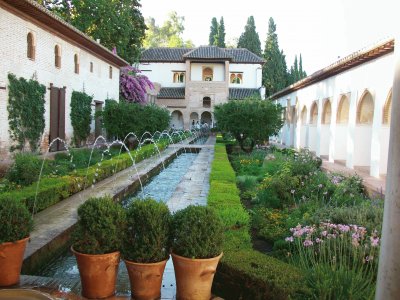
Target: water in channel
161	188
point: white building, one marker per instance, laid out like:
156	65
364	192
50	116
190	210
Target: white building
37	44
190	82
342	112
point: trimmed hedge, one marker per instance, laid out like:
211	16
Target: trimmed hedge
243	272
54	189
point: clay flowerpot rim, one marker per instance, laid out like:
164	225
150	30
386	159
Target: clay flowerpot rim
85	254
144	264
16	242
202	259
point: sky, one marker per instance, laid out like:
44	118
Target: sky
322	31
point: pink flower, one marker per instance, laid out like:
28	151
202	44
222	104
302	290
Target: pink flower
307	243
374	241
289	239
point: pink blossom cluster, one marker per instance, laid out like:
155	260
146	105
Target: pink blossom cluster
133	85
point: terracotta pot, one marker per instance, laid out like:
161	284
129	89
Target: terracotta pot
11	257
98	273
145	279
194	277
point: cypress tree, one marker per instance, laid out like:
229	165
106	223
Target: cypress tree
249	39
213	32
221	34
302	73
275	76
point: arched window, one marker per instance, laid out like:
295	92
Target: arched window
179	77
76	64
91	67
236	78
387	110
343	111
304	116
110	72
207	102
365	111
327	113
57	56
207	74
314	113
30	51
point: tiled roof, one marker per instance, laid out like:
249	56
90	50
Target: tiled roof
208	52
164	54
172	93
239	93
203	52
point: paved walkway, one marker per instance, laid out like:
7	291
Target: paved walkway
52	222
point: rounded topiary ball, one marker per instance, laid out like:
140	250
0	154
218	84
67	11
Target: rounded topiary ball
16	221
197	232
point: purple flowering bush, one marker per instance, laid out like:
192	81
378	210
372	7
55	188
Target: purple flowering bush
340	260
133	85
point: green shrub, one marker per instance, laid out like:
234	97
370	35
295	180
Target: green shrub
100	226
25	170
147	238
247	182
197	232
81	116
16	221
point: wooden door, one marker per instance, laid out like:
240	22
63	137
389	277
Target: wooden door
57	117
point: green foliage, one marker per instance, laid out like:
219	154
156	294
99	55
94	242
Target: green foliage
251	119
197	232
274	69
120	118
25	169
25	98
270	224
147	238
100	226
213	37
221	33
296	72
118	24
16	221
167	35
249	38
81	117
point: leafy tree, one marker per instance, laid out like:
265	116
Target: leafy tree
118	24
251	120
221	34
212	40
167	35
274	69
249	39
296	72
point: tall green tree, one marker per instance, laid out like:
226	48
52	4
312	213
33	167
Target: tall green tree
249	39
221	33
118	24
296	72
167	35
251	121
302	73
213	37
274	70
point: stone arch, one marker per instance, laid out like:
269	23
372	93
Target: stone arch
343	110
194	119
206	117
207	74
387	109
304	115
327	112
57	56
176	119
31	47
76	64
365	109
314	113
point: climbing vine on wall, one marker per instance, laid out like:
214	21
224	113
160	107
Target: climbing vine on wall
25	112
81	115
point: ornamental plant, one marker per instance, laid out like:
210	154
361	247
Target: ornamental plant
100	226
197	232
81	117
133	85
147	235
16	221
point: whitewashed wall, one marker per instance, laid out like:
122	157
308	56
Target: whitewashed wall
197	71
251	75
163	73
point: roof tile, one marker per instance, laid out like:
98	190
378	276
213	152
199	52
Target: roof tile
171	93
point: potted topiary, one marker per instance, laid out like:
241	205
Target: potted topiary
196	250
146	245
15	226
96	244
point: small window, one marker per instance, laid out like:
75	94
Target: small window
110	72
236	78
206	102
179	77
91	67
57	56
76	64
207	74
30	52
